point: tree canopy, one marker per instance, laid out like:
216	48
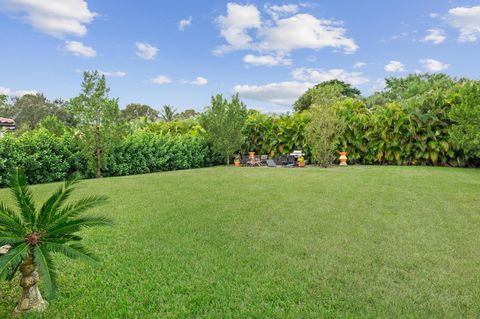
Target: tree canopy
223	122
136	110
97	116
343	90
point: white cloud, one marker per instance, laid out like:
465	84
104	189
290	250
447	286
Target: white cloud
282	93
119	74
319	75
283	34
234	26
436	36
200	81
161	79
266	60
184	23
304	31
14	93
277	11
359	65
467	21
53	17
79	49
395	66
433	15
146	51
434	65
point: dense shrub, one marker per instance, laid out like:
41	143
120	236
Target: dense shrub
145	152
45	157
465	114
275	135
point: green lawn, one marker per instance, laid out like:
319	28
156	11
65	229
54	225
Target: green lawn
277	243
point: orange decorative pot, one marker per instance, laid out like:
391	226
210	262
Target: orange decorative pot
237	163
343	158
301	164
252	155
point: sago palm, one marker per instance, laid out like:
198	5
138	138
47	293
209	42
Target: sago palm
34	234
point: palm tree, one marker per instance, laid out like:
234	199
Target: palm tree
34	234
168	113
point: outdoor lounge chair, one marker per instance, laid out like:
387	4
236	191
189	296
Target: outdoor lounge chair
271	163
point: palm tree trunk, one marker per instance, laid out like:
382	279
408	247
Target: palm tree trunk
31	297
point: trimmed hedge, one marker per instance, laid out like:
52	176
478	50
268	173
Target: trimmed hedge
48	158
146	152
45	157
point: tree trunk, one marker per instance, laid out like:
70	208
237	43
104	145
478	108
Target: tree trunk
228	160
31	298
97	150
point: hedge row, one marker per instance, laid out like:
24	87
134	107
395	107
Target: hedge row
146	152
48	158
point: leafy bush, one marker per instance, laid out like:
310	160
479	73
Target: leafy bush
465	113
275	135
45	157
145	152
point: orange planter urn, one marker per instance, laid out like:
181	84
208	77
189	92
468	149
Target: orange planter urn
343	158
252	155
236	163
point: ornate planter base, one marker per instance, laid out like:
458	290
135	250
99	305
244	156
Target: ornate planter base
31	299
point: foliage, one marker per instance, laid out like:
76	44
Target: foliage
135	110
325	128
186	114
223	122
98	119
30	109
45	157
35	232
54	125
146	152
168	113
308	98
178	127
465	112
275	135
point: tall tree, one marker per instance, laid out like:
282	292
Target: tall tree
342	89
97	117
30	109
223	122
135	110
325	126
168	113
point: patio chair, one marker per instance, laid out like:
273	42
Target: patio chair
263	159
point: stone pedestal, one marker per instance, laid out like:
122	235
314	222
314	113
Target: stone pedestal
31	298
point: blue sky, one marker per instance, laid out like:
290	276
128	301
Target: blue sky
182	52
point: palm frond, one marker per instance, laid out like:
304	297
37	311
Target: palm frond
56	200
23	195
10	261
47	270
10	220
74	209
73	251
62	239
7	237
74	225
